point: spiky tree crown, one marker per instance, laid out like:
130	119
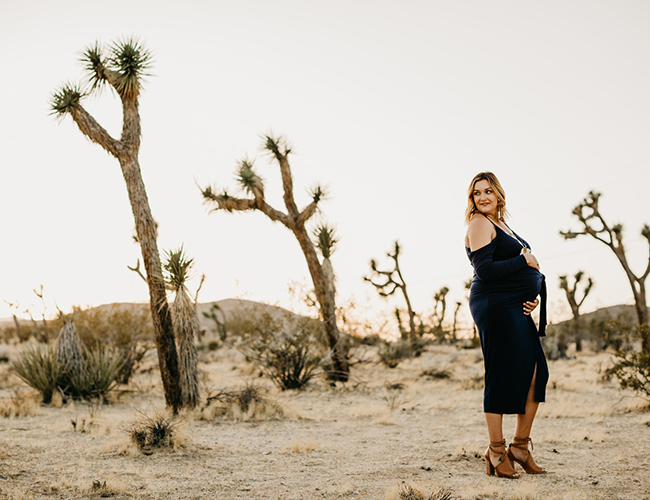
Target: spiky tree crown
176	268
65	99
248	178
325	240
277	146
122	65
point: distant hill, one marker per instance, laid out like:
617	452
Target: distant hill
228	306
612	311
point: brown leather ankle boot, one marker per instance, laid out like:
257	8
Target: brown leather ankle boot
522	455
497	461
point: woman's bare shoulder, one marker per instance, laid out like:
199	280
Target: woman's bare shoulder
480	232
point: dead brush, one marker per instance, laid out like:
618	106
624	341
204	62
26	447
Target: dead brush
473	383
394	397
248	403
435	374
21	404
157	431
392	353
408	492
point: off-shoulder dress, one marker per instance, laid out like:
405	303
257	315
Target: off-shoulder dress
509	339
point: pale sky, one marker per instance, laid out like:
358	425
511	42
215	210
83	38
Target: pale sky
394	106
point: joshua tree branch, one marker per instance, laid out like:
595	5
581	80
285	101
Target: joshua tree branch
276	215
645	232
307	212
94	131
287	185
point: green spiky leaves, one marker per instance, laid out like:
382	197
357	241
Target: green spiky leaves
176	268
326	240
123	68
249	180
317	194
129	60
277	146
95	65
65	99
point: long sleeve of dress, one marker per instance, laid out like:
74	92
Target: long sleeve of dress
487	269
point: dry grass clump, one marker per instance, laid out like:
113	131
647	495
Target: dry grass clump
157	431
405	491
392	353
21	404
248	403
435	373
473	383
301	446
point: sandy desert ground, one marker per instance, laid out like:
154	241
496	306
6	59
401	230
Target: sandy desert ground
361	440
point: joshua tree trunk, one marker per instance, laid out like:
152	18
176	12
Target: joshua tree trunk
326	302
295	221
587	211
123	71
145	228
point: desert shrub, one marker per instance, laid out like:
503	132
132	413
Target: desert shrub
285	349
632	368
21	404
606	331
249	402
476	382
368	340
41	369
158	431
126	330
96	378
435	373
408	492
392	353
44	370
555	342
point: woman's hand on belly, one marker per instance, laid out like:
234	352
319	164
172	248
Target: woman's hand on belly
529	306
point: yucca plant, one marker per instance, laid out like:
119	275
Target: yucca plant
186	323
42	369
97	377
69	347
122	67
69	367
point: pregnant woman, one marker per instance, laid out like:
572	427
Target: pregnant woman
504	292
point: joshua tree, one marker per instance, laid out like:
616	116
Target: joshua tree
393	280
468	287
122	68
574	303
186	324
295	220
595	226
453	329
439	309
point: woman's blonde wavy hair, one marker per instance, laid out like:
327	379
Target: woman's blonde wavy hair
498	189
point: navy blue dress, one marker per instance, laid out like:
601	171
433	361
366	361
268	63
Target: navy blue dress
509	339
